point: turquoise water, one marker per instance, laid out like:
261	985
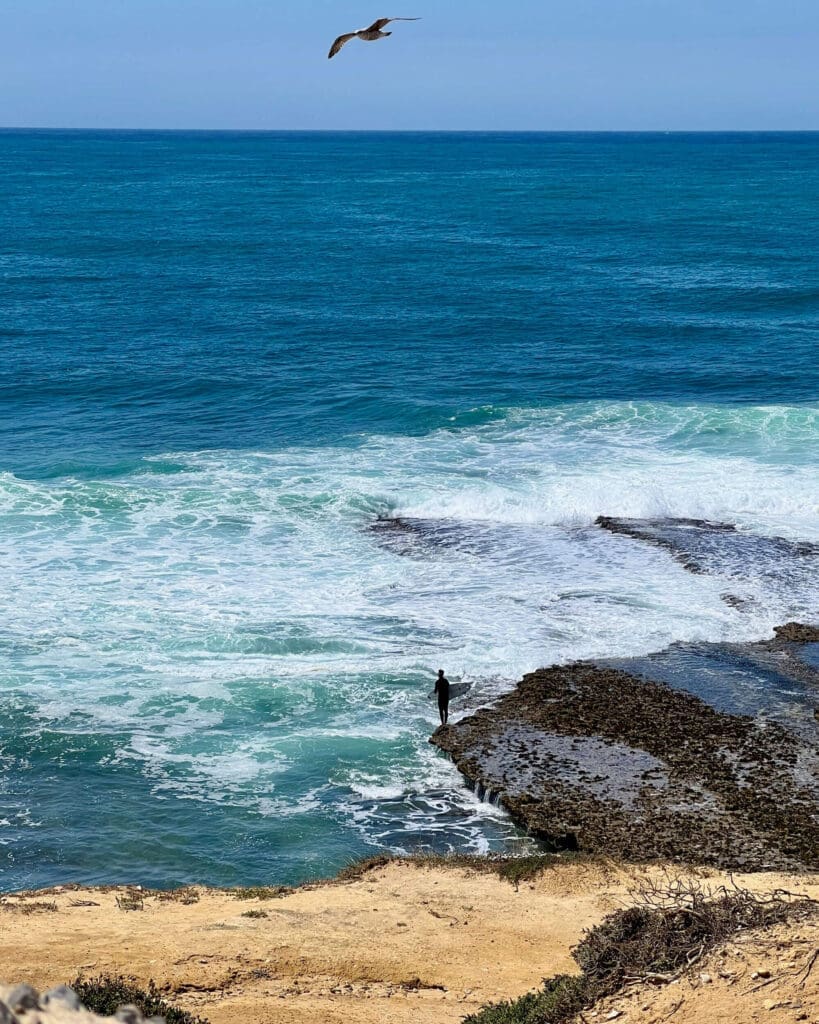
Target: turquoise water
224	357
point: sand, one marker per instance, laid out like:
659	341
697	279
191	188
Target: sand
400	944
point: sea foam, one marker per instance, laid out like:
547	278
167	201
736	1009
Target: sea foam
236	636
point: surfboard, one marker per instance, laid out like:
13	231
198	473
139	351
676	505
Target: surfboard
455	690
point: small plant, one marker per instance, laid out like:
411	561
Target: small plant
38	907
131	900
272	892
673	925
527	869
358	868
561	999
255	915
105	995
512	869
185	896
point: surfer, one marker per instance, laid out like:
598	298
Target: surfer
442	690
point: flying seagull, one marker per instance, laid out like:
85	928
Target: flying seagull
369	35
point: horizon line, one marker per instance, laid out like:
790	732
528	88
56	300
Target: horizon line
419	131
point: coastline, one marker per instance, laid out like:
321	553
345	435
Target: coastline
272	446
636	784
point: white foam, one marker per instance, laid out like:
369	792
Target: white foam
155	607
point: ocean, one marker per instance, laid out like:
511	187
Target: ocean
290	421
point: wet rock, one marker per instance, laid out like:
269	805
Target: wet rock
797	632
721	549
759	679
416	538
593	757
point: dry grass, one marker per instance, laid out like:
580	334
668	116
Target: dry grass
511	869
262	892
185	896
37	907
133	899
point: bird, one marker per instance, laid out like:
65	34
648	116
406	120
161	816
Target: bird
369	35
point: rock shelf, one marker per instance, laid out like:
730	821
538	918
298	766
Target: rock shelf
589	757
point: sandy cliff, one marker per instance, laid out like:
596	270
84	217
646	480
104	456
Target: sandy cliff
399	944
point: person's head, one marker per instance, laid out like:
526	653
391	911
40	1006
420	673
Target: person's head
440	672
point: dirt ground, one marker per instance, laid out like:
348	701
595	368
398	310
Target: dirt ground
400	944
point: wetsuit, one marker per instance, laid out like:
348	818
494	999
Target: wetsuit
442	689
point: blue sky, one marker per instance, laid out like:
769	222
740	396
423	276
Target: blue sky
470	64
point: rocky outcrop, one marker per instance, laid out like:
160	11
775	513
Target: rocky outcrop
591	757
702	545
795	633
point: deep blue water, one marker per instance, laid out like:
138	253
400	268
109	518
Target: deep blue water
183	291
223	356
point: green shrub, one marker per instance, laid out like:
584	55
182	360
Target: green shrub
561	1000
105	995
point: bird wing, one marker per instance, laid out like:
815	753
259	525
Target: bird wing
382	22
340	42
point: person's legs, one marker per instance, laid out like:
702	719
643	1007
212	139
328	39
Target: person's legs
443	711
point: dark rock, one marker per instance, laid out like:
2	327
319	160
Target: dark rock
742	604
420	538
702	546
797	632
129	1015
23	997
588	755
